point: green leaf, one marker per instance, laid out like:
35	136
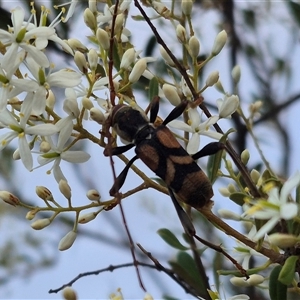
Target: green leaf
171	239
277	290
153	88
287	274
214	161
186	269
238	198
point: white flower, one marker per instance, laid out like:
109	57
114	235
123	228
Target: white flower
228	106
60	151
64	78
22	36
276	207
244	252
196	128
10	86
20	129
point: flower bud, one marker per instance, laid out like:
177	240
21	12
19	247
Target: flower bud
67	241
45	147
245	156
181	34
119	23
148	297
9	198
137	71
80	62
93	59
93	195
40	224
219	43
44	193
255	175
87	103
93	6
128	58
194	46
231	188
161	8
65	188
68	292
185	89
30	215
15	103
70	106
256	106
255	279
239	281
283	240
77	45
50	100
97	115
171	94
166	56
103	38
228	106
16	154
236	74
89	19
224	192
220	87
212	78
229	215
186	7
87	218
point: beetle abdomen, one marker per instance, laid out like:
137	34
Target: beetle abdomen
163	154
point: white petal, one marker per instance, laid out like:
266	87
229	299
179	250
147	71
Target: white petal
266	228
64	78
288	211
180	125
194	116
10	56
65	133
213	134
290	184
57	172
75	156
25	153
17	18
39	101
6	138
193	144
40	58
42	129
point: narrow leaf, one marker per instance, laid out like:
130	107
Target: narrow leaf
171	239
277	290
287	274
153	88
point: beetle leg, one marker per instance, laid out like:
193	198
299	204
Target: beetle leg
121	178
209	149
184	218
117	150
176	112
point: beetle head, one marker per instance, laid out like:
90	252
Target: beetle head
127	121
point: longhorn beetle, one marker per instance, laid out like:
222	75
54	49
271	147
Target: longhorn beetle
161	152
